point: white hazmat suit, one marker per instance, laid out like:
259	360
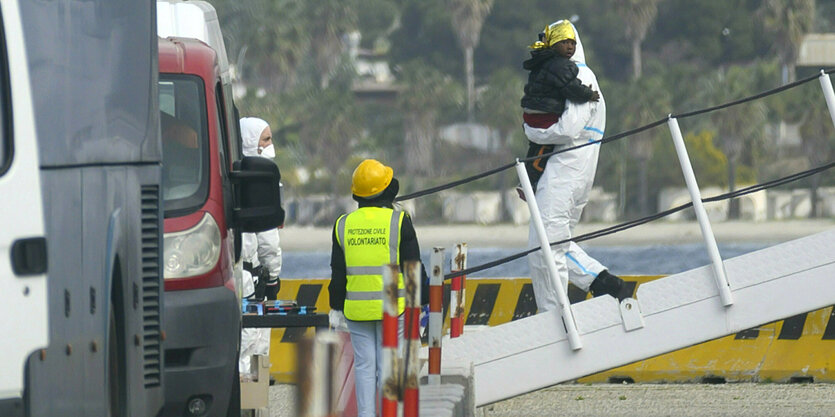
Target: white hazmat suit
262	248
563	190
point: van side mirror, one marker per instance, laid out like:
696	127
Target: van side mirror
258	195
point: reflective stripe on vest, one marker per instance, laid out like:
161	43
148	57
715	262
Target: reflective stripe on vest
370	239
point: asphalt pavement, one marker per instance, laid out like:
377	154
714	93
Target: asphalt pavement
651	400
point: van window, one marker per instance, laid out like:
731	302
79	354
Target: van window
6	103
185	149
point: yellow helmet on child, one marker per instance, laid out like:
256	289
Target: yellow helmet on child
371	178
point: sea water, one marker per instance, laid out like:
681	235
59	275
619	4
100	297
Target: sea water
621	260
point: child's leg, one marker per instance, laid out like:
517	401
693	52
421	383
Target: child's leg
536	167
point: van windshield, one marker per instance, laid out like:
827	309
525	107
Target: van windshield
183	126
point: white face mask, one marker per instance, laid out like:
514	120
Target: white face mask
267	152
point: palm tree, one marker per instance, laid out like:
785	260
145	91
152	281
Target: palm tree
788	21
426	91
500	103
817	132
638	16
467	18
328	21
279	45
649	101
737	127
329	120
500	107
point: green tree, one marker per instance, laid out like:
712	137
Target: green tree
267	50
425	94
467	18
707	160
787	21
330	129
738	127
499	106
817	134
638	16
328	22
649	101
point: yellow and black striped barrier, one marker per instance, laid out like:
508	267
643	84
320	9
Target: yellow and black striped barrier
797	349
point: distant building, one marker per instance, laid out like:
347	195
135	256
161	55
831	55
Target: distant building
817	50
375	80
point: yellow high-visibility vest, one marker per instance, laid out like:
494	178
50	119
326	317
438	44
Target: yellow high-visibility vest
370	238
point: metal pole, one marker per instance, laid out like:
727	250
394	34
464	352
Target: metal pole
436	315
828	94
701	215
411	390
456	294
390	376
545	247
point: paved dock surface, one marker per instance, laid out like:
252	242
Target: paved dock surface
734	399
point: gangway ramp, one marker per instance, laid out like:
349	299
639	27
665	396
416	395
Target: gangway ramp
669	314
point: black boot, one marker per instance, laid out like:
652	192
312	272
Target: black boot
606	283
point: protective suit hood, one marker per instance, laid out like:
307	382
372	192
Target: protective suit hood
251	129
579	52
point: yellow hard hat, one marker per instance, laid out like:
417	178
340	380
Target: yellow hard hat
370	178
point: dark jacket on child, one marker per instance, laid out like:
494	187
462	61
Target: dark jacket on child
552	80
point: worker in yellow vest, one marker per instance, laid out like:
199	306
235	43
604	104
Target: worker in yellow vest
364	240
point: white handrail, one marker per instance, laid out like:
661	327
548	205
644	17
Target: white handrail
828	94
701	214
545	247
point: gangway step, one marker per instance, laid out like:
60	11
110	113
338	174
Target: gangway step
669	314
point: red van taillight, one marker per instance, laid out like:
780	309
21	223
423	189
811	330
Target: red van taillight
192	252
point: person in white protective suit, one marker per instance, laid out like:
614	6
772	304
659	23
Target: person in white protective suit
563	191
260	252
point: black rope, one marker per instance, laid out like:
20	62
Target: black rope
511	165
611	138
751	98
595	142
637	222
454	183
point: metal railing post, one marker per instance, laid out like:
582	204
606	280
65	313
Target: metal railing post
545	247
828	94
701	215
457	296
436	315
411	387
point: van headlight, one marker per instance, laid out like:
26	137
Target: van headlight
192	252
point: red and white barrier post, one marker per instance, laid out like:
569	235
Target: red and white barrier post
411	393
436	314
456	293
390	377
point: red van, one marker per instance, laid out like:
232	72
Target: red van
205	211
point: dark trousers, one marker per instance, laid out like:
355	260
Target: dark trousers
536	167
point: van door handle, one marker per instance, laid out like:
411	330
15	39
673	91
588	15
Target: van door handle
29	256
